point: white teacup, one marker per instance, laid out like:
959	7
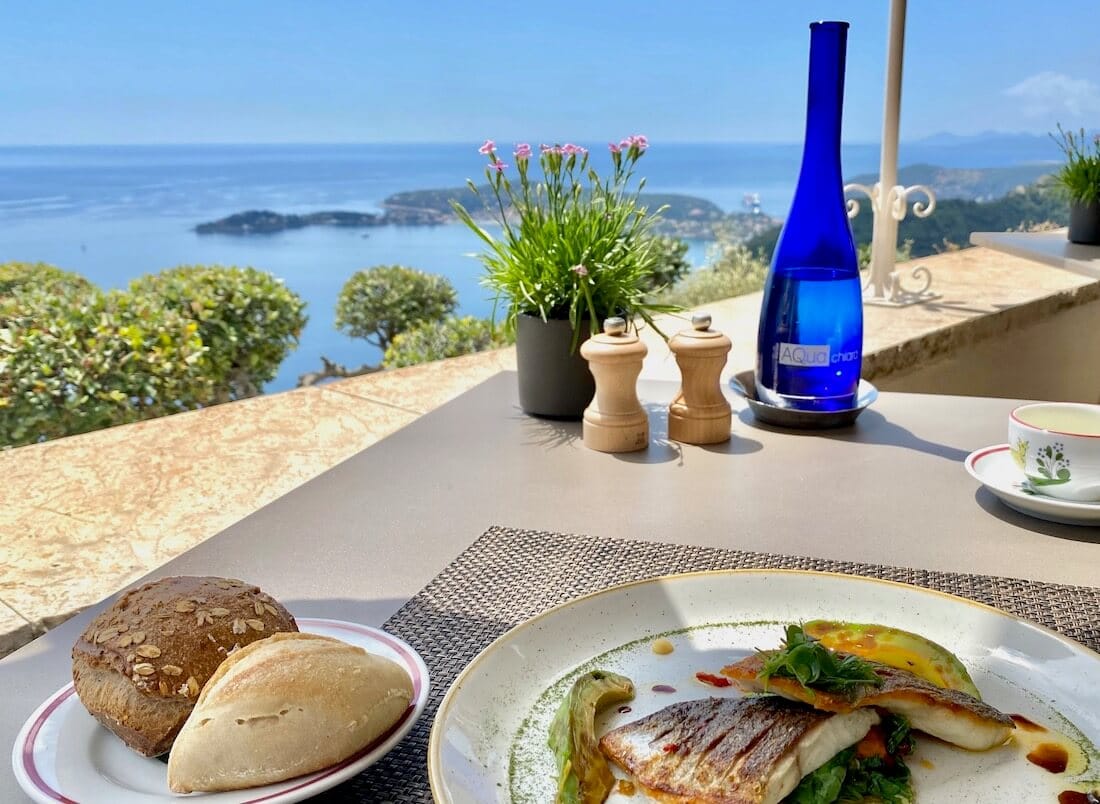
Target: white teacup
1057	446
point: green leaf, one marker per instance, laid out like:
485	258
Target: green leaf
823	786
814	666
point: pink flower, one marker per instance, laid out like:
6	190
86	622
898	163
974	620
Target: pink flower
522	152
579	270
614	148
487	148
497	165
545	149
638	141
571	149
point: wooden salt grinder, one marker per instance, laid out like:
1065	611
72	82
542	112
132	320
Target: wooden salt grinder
700	413
615	421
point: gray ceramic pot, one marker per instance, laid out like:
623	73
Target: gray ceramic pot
554	380
1084	223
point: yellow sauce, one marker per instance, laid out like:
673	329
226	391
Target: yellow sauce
662	647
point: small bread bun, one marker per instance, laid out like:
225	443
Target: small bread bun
139	666
284	706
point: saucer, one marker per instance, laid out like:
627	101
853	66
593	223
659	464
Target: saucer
993	468
744	385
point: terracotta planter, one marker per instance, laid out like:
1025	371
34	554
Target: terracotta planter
1084	223
554	380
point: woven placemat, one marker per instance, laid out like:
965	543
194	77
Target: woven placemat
508	576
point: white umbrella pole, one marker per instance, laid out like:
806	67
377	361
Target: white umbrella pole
884	241
889	200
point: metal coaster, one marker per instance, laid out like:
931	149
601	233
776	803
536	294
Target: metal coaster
744	385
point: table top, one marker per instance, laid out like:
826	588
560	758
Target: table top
359	540
1051	248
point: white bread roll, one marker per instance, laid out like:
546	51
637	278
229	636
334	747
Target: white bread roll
284	706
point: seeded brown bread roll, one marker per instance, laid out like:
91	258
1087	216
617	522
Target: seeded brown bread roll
288	705
140	665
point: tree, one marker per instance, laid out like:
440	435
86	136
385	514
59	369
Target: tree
248	320
436	340
379	303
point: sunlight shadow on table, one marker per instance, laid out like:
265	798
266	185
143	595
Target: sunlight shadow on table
994	507
870	428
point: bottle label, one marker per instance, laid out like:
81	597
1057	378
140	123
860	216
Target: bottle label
797	354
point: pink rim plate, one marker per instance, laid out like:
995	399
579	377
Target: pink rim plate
30	775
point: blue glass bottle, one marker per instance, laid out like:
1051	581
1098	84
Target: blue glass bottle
810	342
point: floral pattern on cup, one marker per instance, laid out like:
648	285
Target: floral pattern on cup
1052	464
1019	452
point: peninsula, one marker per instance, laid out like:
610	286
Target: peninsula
683	216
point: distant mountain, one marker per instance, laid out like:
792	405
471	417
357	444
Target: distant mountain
973	184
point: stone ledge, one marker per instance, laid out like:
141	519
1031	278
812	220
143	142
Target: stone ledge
99	510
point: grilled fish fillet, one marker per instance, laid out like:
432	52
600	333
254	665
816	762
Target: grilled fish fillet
732	750
951	715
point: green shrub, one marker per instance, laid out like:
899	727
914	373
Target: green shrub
79	359
17	275
734	271
671	265
248	319
435	340
903	253
379	303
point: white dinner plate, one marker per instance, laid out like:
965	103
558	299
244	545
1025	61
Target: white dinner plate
62	754
488	742
993	468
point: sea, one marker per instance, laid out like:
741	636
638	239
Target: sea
113	213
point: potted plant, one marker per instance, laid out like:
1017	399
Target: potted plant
1080	177
573	249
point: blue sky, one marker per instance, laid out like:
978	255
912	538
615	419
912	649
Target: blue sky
401	70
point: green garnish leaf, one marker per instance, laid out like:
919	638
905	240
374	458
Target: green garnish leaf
823	786
898	739
873	778
814	666
849	777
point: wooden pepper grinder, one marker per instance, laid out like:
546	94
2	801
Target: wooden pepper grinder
615	421
700	413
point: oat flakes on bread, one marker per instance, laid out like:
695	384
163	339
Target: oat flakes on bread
139	666
285	706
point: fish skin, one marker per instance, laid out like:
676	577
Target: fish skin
951	715
731	750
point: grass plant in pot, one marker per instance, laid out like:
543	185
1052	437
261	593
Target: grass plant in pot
1080	178
572	250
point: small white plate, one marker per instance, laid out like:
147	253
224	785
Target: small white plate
993	468
62	754
488	742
